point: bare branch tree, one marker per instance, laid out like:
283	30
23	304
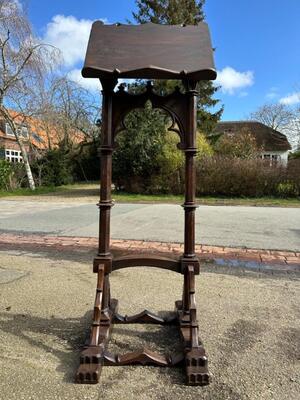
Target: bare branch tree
24	61
274	115
295	125
293	130
69	110
282	118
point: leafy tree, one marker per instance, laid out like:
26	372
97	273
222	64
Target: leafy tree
173	12
145	151
138	148
54	168
171	162
204	148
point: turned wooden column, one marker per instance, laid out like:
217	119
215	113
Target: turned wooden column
190	174
105	203
189	258
106	150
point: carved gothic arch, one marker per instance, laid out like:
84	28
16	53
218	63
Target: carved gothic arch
174	105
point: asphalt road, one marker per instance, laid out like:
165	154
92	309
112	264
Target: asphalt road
254	227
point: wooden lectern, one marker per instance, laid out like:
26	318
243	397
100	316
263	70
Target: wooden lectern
147	51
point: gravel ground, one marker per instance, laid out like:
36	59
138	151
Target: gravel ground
249	325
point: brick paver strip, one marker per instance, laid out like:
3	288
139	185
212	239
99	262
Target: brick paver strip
203	251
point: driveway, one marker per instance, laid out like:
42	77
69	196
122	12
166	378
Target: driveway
254	227
249	326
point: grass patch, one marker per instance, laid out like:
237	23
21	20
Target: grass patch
29	192
248	201
226	201
146	198
91	189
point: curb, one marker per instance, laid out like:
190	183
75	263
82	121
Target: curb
219	254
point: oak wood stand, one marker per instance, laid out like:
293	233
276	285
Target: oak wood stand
147	51
181	107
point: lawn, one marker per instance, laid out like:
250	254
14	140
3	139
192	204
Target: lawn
27	192
91	190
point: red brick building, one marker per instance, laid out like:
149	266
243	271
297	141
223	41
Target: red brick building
34	137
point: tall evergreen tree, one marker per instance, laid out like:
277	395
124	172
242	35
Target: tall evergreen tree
137	159
172	12
175	12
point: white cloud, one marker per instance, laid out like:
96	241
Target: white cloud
91	84
70	35
273	93
291	99
231	80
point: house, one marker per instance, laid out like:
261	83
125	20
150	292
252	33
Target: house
29	131
9	148
34	136
273	144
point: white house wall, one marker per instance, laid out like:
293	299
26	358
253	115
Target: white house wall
283	155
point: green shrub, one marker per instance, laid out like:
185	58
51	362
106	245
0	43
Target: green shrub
53	169
86	164
135	159
287	189
18	176
5	173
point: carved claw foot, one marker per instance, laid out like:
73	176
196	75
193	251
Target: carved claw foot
91	361
88	373
92	355
196	367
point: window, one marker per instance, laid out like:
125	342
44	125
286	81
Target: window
13	156
21	131
276	157
37	138
8	130
273	158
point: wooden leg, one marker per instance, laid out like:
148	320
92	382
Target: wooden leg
196	362
92	357
95	355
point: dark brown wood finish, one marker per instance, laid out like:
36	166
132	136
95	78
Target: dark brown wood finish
149	51
181	107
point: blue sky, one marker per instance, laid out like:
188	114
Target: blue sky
257	44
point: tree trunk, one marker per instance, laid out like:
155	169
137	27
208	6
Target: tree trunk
26	162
